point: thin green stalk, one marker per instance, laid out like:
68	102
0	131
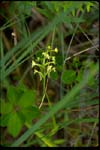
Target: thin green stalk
44	82
44	93
47	141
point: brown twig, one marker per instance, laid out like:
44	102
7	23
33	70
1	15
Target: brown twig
88	49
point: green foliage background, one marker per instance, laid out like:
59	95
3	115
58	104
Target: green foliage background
73	86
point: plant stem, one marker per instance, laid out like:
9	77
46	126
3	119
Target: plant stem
44	81
47	141
44	93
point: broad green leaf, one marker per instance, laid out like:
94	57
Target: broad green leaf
54	75
14	124
59	59
11	94
30	113
5	107
79	76
4	120
59	68
21	87
27	99
21	116
68	76
76	62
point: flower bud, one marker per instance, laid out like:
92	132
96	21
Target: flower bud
56	50
33	63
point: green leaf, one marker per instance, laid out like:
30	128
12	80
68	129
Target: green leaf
79	76
68	76
30	113
88	7
27	99
76	62
14	124
73	12
21	116
21	87
6	107
4	120
11	94
54	75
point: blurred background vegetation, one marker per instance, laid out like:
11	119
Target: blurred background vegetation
69	112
